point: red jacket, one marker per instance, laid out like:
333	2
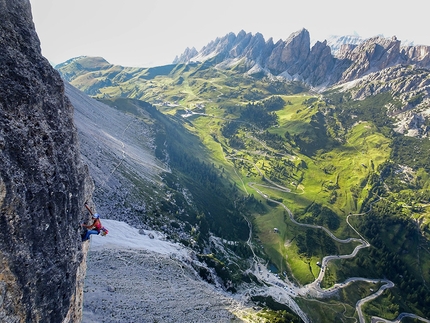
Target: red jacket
97	225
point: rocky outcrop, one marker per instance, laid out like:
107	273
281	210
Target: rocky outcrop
288	56
417	55
372	55
405	81
43	182
317	69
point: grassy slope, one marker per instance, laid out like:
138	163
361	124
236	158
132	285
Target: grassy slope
349	171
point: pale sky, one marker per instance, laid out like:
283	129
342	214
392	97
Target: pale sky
146	33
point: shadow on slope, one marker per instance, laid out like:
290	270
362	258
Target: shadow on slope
212	195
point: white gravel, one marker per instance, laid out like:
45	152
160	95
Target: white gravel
135	278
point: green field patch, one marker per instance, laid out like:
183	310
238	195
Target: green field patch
272	240
281	244
341	173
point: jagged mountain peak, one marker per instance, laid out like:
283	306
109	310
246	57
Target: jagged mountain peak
302	33
186	55
241	34
318	65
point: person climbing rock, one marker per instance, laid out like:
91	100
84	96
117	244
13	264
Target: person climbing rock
93	228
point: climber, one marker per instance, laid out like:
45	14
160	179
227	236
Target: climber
93	228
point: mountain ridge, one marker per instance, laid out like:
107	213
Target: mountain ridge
295	59
372	66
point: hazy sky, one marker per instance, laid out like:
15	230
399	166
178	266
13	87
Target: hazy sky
152	32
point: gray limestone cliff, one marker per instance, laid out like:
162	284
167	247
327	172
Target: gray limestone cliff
43	182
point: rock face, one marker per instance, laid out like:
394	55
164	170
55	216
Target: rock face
372	55
43	182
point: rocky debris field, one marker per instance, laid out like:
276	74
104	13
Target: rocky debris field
126	285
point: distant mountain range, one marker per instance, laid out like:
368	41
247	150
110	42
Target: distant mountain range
334	61
364	66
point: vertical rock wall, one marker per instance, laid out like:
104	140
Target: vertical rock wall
43	182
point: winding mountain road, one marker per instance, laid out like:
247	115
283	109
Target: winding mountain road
286	291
